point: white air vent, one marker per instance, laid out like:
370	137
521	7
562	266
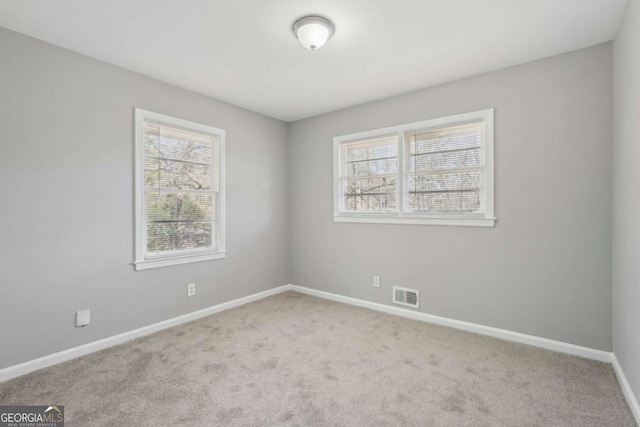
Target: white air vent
408	297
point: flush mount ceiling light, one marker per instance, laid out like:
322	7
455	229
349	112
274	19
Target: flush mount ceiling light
313	31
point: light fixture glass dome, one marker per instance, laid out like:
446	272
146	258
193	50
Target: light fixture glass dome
313	31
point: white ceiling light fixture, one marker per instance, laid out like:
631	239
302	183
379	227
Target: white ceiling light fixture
313	31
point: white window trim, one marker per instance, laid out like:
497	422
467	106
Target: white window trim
143	261
484	219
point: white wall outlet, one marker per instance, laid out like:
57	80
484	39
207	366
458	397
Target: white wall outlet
83	318
191	289
376	281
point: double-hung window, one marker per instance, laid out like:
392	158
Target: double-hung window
431	172
180	203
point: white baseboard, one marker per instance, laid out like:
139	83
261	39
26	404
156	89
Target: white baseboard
75	352
626	389
575	350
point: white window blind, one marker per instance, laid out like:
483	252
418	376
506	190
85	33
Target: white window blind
444	168
433	172
179	193
369	175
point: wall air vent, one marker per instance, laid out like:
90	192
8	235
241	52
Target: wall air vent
405	296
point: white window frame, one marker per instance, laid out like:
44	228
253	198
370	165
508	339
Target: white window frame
484	218
144	260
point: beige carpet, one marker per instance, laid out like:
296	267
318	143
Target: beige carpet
292	360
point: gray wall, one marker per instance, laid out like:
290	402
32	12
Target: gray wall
545	269
66	218
626	196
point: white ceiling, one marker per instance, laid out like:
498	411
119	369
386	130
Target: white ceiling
244	52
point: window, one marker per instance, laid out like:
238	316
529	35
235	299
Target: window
180	204
432	172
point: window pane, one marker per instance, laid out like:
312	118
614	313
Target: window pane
452	192
177	174
175	143
442	139
366	166
151	144
176	206
453	147
376	157
423	162
370	194
151	172
441	149
444	182
372	167
162	237
377	149
459	201
180	159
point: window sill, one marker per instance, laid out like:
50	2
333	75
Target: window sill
412	220
167	262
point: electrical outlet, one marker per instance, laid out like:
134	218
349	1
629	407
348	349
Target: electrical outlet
191	289
83	318
376	281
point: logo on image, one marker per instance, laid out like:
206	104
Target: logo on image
32	416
